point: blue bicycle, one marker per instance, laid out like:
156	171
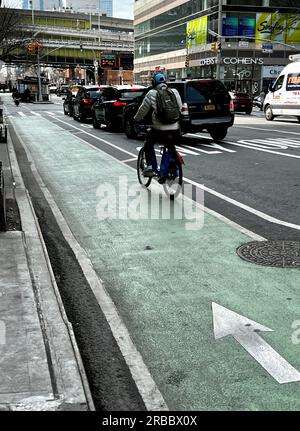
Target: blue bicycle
168	173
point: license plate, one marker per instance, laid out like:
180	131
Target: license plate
209	107
243	106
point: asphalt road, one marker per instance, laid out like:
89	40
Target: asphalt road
251	178
256	166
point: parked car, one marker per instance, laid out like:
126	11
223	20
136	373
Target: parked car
83	103
131	129
69	102
109	108
206	103
52	89
63	90
242	102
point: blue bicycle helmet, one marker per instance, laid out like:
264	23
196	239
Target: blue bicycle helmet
158	78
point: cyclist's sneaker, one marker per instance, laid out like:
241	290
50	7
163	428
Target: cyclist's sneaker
148	172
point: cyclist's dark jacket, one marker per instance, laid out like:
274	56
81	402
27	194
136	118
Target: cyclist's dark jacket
149	103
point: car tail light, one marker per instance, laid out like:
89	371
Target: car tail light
86	101
185	109
119	104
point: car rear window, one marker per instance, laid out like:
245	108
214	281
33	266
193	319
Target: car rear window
131	94
200	92
94	94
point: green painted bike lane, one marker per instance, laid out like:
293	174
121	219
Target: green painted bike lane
164	278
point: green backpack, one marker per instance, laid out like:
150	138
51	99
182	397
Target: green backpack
167	106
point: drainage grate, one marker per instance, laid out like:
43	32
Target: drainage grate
282	254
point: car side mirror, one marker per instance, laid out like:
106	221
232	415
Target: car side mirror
271	88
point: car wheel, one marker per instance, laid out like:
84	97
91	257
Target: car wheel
129	129
269	113
248	112
111	126
218	133
81	117
298	118
96	125
65	112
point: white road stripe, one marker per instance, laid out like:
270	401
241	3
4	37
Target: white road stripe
147	387
50	113
185	149
22	114
200	150
257	213
96	137
130	160
35	113
268	130
251	210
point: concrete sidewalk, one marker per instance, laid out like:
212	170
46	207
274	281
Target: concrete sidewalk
40	365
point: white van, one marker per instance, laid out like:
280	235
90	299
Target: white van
283	97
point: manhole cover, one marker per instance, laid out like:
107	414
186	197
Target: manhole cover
282	254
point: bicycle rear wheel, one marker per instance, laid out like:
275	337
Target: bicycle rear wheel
173	183
141	166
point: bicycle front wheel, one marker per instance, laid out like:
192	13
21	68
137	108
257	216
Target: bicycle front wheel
141	166
173	183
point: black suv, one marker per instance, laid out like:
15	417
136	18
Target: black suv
206	103
109	109
84	100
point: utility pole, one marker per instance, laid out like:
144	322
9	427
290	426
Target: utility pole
219	43
37	50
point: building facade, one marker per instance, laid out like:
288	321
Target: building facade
257	37
91	6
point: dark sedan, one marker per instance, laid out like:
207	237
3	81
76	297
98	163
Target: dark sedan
84	101
109	109
242	102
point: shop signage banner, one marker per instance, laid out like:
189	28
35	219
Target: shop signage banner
247	27
196	32
272	71
278	27
230	26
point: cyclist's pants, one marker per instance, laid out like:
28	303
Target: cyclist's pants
165	137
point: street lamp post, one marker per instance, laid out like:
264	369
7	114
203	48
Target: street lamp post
219	53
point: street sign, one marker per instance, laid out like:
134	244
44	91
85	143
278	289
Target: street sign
267	48
243	44
246	332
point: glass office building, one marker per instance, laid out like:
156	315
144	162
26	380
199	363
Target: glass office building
257	37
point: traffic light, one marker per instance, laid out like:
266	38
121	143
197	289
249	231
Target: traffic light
213	47
187	60
219	47
30	47
81	47
36	48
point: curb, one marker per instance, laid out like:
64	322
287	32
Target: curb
64	360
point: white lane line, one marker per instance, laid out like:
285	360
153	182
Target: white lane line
238	204
268	130
49	113
130	160
87	126
185	149
255	147
147	387
22	114
200	150
96	137
251	210
35	113
263	150
214	145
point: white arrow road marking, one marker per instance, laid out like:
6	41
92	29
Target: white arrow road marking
245	332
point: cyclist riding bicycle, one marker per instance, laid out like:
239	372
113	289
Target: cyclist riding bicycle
159	129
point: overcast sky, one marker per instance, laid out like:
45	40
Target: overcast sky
123	8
